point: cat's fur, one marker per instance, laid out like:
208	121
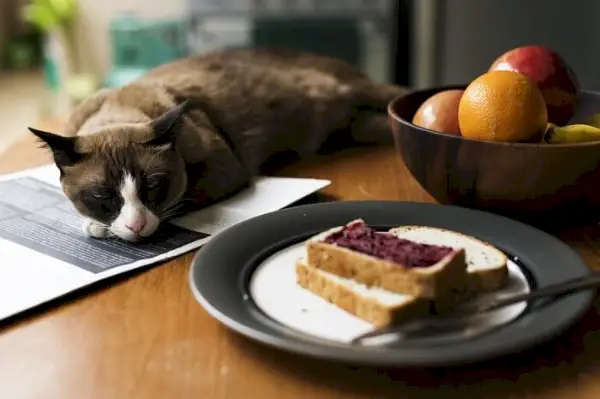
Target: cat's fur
199	128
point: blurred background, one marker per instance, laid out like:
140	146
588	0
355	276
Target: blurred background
53	53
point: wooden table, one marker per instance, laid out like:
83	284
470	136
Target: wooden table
144	336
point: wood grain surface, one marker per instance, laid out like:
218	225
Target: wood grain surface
144	336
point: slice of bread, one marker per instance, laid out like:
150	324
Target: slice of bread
437	281
372	304
486	265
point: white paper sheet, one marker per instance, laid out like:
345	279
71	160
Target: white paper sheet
44	254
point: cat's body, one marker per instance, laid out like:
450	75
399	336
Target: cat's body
200	128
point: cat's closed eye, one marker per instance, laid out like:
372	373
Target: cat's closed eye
102	193
101	203
155	180
157	185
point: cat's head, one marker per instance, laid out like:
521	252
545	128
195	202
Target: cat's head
127	177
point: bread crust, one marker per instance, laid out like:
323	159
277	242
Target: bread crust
368	309
433	282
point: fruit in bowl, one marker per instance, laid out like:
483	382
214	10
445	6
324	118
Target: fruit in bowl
440	112
552	75
577	133
503	106
529	145
528	95
537	182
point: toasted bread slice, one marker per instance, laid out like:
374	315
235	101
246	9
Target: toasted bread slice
372	304
434	281
486	265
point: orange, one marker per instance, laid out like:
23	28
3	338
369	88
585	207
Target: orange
502	106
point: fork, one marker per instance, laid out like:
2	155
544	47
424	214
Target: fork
484	305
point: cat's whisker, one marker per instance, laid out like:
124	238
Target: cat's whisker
167	212
174	209
171	210
171	204
171	215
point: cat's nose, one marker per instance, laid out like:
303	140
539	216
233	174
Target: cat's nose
137	225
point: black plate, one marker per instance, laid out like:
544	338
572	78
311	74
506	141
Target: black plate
221	270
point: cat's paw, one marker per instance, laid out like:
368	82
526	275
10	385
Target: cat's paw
95	229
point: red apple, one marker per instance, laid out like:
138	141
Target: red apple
440	112
552	75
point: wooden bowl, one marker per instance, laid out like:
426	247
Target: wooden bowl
537	182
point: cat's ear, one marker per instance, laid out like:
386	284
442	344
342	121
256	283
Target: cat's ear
163	127
62	148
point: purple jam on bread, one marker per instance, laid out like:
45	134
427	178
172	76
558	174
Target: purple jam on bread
359	237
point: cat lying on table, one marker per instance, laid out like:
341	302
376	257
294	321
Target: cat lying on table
196	130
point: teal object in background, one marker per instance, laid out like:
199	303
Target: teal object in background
51	73
49	63
121	76
139	45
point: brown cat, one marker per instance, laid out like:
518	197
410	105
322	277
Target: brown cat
198	129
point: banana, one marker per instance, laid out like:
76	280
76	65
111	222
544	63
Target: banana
578	133
594	120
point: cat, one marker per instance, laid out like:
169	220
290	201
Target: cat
197	130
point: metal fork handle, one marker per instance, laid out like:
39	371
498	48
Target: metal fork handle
566	287
478	307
